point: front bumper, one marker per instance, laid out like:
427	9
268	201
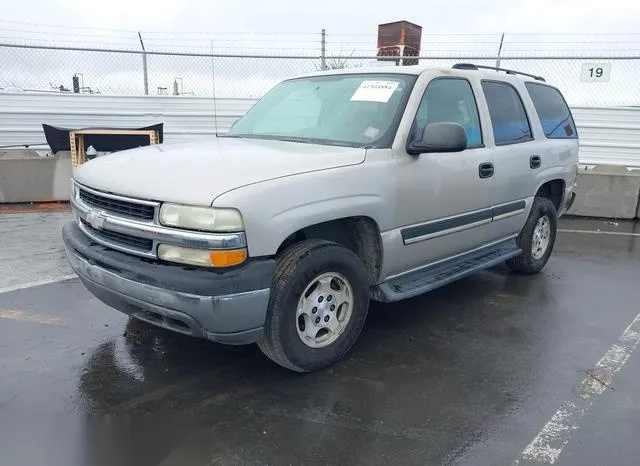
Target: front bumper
227	307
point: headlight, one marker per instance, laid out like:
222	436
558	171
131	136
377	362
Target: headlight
201	218
202	258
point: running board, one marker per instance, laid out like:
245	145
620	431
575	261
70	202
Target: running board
442	273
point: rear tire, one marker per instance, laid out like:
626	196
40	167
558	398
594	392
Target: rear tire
537	238
318	305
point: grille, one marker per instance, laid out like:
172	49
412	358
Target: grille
117	238
130	209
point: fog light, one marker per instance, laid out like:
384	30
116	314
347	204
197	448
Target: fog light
200	257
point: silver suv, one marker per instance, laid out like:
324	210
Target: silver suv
335	189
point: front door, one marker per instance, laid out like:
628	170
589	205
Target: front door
444	199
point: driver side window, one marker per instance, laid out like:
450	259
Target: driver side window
449	100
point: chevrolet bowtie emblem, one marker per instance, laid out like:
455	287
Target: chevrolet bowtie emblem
96	220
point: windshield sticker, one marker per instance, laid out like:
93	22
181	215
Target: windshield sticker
375	91
371	132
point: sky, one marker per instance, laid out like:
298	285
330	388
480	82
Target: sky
338	16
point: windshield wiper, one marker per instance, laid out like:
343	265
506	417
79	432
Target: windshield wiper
320	141
302	140
298	139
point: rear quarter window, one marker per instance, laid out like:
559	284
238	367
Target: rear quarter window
508	115
553	111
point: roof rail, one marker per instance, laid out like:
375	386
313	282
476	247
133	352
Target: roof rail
471	66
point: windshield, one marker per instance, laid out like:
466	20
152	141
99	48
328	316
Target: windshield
356	110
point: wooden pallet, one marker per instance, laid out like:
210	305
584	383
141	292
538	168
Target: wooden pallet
77	143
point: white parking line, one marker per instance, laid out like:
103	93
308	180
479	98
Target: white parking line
46	281
593	232
547	446
24	317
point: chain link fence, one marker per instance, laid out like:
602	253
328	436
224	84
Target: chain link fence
608	78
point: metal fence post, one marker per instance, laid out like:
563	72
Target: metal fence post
144	66
499	51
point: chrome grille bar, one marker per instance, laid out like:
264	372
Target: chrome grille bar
122	232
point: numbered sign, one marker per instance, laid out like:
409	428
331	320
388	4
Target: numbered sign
595	72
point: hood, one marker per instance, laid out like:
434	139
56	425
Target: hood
197	172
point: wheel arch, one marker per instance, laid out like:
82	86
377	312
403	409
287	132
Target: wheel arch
360	234
553	190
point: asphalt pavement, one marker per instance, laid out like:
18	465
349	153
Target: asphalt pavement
496	369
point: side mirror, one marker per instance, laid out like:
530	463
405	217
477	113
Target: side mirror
439	137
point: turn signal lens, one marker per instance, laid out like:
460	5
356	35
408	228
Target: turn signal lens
228	258
200	257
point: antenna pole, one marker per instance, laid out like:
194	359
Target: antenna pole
323	50
213	88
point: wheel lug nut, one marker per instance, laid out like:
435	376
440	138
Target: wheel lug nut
317	320
314	310
326	318
329	298
333	307
320	299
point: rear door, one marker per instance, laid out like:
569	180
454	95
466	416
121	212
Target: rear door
559	157
515	147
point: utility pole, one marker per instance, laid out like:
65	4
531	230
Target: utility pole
323	50
144	66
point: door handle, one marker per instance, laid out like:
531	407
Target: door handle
535	161
485	170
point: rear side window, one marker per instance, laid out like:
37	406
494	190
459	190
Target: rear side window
508	117
553	111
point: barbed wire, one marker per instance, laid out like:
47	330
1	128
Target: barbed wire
62	26
26	33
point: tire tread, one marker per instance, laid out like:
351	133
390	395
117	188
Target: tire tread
524	263
285	274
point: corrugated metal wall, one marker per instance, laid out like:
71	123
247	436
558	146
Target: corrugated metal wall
607	135
184	118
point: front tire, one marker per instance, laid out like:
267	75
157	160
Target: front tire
318	305
537	238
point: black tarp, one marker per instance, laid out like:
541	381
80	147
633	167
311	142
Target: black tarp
58	138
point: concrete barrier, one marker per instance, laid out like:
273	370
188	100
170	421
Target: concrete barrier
34	176
607	191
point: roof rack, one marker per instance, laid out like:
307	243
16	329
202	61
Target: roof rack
471	66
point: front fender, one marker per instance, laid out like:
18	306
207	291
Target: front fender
275	209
